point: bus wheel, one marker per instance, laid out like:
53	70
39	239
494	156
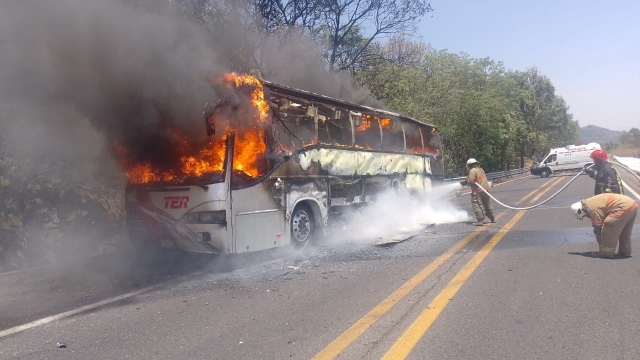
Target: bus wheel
545	173
301	225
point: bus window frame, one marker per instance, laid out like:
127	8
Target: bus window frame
382	132
370	116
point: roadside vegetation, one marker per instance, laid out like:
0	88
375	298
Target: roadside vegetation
628	142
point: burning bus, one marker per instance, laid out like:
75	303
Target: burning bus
279	162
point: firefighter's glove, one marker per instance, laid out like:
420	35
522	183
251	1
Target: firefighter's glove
597	230
463	183
589	172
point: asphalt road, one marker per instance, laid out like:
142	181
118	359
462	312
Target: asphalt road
520	288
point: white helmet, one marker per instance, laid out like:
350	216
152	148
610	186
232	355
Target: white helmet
578	210
471	161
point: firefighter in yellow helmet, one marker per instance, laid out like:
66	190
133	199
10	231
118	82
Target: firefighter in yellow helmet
612	216
479	199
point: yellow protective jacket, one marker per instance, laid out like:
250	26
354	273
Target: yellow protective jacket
607	179
477	177
606	208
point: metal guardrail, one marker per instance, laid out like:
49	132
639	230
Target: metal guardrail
497	177
506	174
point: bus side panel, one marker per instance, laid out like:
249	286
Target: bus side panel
337	162
258	220
260	231
370	163
157	215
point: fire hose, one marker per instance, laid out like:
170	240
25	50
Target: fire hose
554	195
536	205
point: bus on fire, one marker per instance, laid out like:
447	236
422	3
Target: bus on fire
278	162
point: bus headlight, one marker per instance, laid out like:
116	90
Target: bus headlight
207	217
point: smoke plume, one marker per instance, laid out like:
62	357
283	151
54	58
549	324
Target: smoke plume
395	214
130	74
135	74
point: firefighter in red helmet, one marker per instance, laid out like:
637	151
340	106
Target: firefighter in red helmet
605	175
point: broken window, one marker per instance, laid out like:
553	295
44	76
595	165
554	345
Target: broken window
294	124
413	138
392	134
249	152
334	126
367	131
431	142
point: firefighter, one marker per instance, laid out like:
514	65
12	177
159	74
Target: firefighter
479	198
605	175
612	217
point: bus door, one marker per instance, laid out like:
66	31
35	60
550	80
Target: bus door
259	220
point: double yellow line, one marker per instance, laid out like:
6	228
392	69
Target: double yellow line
412	335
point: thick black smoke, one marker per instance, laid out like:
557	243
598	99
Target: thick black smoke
131	74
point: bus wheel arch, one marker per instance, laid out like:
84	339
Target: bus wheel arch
306	222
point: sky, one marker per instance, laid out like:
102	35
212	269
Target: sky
589	49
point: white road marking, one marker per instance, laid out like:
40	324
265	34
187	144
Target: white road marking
17	329
630	189
13	272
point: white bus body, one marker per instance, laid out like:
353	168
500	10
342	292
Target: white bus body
299	189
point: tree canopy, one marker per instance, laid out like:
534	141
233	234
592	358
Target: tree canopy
484	111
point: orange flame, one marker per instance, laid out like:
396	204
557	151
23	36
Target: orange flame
386	123
192	163
257	95
249	151
209	160
365	125
249	147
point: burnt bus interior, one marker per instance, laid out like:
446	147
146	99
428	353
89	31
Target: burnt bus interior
346	125
304	120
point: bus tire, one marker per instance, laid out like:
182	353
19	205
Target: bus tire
302	225
545	173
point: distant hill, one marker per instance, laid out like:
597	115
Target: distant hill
591	133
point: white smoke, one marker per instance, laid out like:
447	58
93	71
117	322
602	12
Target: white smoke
399	213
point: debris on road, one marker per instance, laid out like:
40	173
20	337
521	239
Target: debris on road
61	345
275	273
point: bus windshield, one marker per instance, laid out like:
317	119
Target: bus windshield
185	162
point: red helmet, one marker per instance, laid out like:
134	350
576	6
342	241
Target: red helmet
599	156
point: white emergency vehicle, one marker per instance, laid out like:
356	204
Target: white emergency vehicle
572	157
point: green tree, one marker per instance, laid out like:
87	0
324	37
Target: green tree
482	110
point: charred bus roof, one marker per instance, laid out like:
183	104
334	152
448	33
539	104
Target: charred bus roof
286	90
